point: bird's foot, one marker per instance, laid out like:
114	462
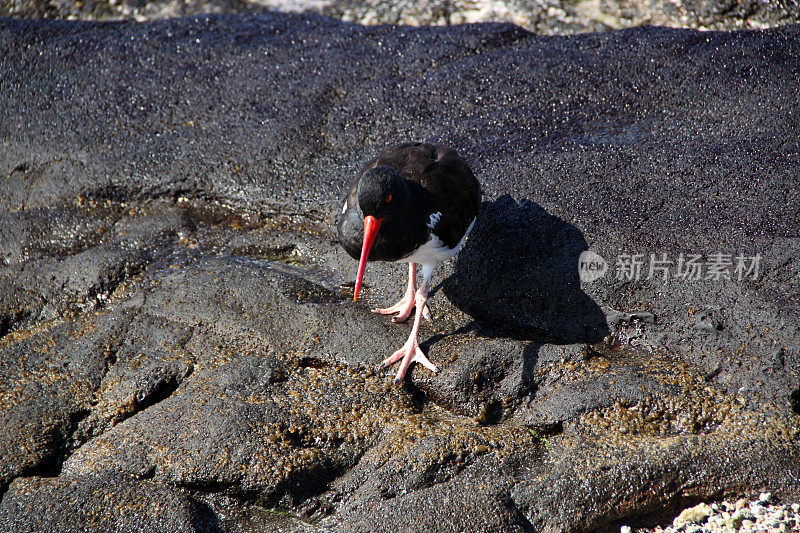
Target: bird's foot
409	353
403	309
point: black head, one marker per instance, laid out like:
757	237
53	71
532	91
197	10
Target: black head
381	190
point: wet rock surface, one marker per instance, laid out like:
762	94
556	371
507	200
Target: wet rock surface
177	323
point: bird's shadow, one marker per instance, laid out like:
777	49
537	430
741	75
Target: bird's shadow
517	276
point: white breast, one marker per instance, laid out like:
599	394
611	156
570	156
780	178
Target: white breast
434	219
435	251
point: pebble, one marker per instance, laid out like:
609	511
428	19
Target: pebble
693	515
740	503
734	521
732	517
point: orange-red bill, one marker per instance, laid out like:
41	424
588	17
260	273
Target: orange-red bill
371	227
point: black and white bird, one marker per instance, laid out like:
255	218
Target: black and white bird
413	203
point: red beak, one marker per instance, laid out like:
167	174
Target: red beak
371	227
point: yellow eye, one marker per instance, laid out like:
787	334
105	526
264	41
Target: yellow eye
388	199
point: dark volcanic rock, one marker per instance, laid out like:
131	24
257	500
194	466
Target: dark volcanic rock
48	382
104	504
482	490
175	313
580	482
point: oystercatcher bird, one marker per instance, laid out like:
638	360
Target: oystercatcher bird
413	203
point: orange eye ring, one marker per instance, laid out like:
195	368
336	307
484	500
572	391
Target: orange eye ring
388	199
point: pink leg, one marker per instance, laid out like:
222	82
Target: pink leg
407	302
411	352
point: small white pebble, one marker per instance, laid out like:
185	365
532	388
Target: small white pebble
693	515
745	513
625	529
735	517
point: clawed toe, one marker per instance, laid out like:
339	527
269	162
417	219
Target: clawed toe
402	309
396	308
395	357
422	359
409	353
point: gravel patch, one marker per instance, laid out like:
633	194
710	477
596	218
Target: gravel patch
760	514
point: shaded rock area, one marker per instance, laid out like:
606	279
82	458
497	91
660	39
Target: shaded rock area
179	350
104	504
551	17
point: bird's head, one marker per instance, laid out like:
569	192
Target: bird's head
381	193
